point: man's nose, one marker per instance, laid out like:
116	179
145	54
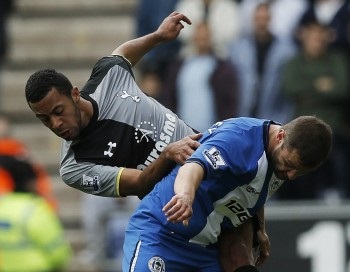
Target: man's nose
56	122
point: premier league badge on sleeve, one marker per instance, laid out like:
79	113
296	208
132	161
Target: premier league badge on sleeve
91	182
214	157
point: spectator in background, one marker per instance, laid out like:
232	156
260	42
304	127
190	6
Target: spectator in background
316	79
6	7
201	87
10	146
149	78
259	58
149	15
285	15
31	235
336	15
222	17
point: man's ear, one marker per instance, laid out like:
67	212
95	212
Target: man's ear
75	94
280	135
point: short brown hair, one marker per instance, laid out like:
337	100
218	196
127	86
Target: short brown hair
311	137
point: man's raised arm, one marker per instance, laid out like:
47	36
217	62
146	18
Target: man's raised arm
168	30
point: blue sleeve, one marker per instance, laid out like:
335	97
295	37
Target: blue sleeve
223	151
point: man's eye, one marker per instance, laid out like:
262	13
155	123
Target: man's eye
58	112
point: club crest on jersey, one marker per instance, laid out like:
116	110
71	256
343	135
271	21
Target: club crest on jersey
214	157
156	264
275	183
145	131
91	182
124	94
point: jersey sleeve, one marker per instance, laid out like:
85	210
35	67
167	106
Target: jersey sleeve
225	150
89	177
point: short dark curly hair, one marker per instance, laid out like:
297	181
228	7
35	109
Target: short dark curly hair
42	81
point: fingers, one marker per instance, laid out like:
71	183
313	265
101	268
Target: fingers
196	136
193	143
178	210
264	247
186	19
262	257
185	222
180	17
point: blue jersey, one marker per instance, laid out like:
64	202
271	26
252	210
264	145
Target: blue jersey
238	181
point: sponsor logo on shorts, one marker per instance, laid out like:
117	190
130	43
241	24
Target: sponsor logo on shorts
156	264
91	182
214	157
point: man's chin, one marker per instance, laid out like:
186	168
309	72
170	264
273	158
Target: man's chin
66	137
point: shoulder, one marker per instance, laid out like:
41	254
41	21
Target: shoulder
106	63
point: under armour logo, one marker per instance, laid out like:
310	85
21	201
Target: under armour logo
133	97
108	152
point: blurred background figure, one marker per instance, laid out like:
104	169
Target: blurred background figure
10	146
6	7
336	15
104	222
149	15
222	17
31	234
285	15
316	79
150	78
201	87
259	57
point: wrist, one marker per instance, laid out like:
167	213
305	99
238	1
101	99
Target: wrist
167	152
156	38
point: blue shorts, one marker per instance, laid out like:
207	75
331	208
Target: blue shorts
154	249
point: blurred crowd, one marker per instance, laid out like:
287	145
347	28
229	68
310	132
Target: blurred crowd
273	59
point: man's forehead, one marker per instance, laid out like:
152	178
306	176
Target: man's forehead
52	100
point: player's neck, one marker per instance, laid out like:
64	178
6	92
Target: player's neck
86	111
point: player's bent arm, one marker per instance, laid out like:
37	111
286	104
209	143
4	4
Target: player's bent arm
113	181
169	29
135	182
187	181
140	183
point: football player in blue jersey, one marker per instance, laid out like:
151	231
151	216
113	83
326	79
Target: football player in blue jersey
240	163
